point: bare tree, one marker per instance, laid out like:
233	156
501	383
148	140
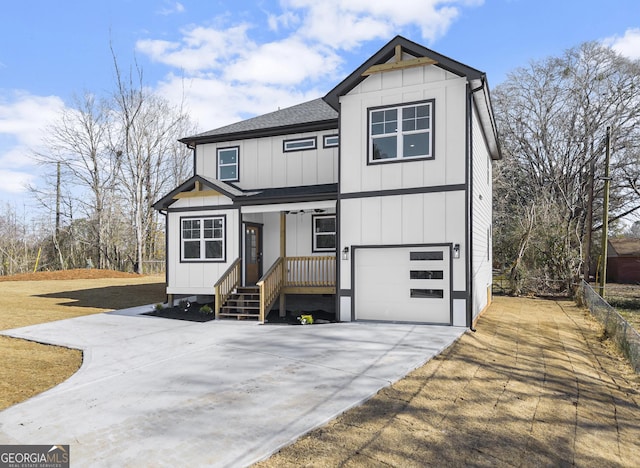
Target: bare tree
78	144
552	118
146	138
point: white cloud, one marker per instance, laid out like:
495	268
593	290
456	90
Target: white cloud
201	48
23	121
346	23
627	45
171	8
286	62
227	71
214	103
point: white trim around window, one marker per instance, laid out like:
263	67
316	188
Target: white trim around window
228	163
330	141
401	133
202	239
299	144
324	233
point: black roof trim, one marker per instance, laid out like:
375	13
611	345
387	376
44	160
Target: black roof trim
265	132
291	194
190	184
385	54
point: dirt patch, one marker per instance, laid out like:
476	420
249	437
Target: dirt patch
532	387
28	368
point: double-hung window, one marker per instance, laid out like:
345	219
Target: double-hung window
324	233
228	164
401	132
203	239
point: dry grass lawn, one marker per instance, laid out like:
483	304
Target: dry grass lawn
534	386
29	368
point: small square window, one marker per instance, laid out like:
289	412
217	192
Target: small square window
324	233
228	164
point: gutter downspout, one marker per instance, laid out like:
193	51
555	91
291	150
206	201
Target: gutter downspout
469	176
469	208
166	252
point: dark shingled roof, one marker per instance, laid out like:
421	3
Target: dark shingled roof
307	112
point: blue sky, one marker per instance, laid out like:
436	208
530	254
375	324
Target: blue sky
234	59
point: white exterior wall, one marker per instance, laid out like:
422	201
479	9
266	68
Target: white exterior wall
421	218
481	220
198	278
397	87
429	218
263	164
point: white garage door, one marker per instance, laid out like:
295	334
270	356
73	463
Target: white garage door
403	284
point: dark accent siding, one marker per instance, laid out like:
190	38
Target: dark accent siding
459	294
407	191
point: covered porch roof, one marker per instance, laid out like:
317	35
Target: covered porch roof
264	198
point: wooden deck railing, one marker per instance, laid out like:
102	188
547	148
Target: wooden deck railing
227	283
311	271
270	286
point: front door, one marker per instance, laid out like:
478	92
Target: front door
252	253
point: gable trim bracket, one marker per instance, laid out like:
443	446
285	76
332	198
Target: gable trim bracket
398	63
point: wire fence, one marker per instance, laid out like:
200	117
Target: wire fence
616	327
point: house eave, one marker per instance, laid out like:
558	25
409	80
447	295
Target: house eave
316	126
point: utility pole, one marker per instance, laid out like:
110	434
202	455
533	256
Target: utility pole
605	215
589	222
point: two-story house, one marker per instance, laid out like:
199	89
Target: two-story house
378	193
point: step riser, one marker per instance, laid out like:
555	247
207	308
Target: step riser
244	303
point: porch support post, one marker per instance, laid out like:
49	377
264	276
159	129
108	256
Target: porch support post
283	253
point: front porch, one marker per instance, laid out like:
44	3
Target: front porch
268	269
288	275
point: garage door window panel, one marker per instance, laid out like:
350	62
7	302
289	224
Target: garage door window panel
426	256
426	274
427	293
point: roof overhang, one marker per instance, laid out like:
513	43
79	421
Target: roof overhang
482	100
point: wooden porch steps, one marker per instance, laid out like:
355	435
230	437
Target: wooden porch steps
242	304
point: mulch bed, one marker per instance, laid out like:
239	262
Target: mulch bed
319	317
192	313
189	313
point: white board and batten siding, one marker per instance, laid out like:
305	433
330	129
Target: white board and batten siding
198	278
391	88
264	164
481	220
380	227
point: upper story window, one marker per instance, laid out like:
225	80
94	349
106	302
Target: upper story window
401	132
228	164
299	144
330	141
324	233
203	239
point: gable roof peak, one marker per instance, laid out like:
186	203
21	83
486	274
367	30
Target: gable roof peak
388	52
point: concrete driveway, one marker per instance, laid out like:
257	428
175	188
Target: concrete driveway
159	392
